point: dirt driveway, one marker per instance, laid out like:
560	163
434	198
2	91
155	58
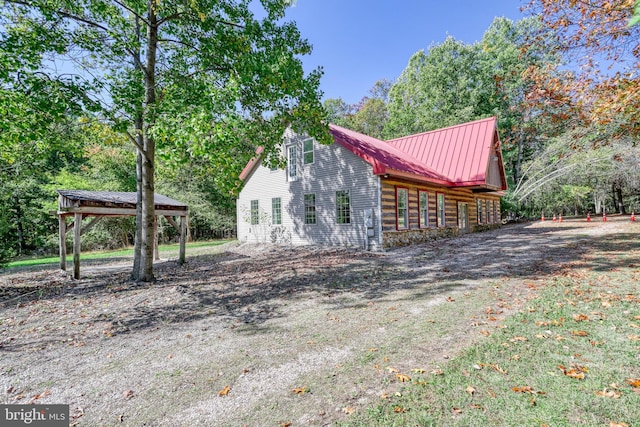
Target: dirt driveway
265	336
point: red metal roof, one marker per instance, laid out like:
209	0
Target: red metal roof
457	156
382	156
461	152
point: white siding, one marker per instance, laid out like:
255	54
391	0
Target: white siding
333	169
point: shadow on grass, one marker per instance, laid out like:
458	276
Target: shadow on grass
247	291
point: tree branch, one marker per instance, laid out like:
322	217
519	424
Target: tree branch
136	14
180	42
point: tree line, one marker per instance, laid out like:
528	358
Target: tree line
563	83
174	97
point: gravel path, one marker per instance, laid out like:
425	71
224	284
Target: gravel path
298	335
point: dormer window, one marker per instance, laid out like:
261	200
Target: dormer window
292	170
307	151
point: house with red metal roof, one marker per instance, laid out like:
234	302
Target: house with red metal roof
364	192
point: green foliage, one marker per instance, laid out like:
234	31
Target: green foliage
369	116
443	87
635	19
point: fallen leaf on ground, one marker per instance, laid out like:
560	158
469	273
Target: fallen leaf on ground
349	410
608	393
580	333
580	317
527	389
300	390
521	339
403	378
613	424
576	372
225	391
399	409
437	372
456	410
470	390
634	382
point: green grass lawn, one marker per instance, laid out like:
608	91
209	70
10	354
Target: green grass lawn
568	357
113	254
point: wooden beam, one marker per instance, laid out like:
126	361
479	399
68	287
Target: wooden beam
76	244
67	226
62	233
93	210
172	222
89	226
183	238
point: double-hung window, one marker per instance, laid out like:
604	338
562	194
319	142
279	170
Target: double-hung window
488	204
310	208
276	211
423	201
307	151
440	210
479	211
402	208
255	212
292	170
343	207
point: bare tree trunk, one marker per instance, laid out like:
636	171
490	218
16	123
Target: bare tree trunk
137	250
617	197
148	158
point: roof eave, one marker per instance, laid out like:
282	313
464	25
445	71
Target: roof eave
252	164
416	177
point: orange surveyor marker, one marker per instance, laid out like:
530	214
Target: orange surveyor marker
633	216
560	219
588	216
542	218
604	216
554	218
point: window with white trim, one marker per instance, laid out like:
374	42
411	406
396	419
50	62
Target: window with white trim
310	208
488	203
255	212
292	170
402	208
423	201
276	211
307	151
343	207
479	211
440	210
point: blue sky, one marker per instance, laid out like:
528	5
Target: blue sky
358	42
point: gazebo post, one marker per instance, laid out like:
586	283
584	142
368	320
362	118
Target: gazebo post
156	251
77	226
183	238
62	224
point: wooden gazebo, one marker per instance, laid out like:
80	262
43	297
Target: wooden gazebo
80	204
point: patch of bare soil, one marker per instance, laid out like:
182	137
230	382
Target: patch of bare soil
268	335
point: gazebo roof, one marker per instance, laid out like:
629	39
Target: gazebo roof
113	203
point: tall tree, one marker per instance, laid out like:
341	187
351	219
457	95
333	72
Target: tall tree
207	74
605	53
369	116
440	88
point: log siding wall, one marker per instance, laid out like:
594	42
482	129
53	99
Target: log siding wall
452	196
